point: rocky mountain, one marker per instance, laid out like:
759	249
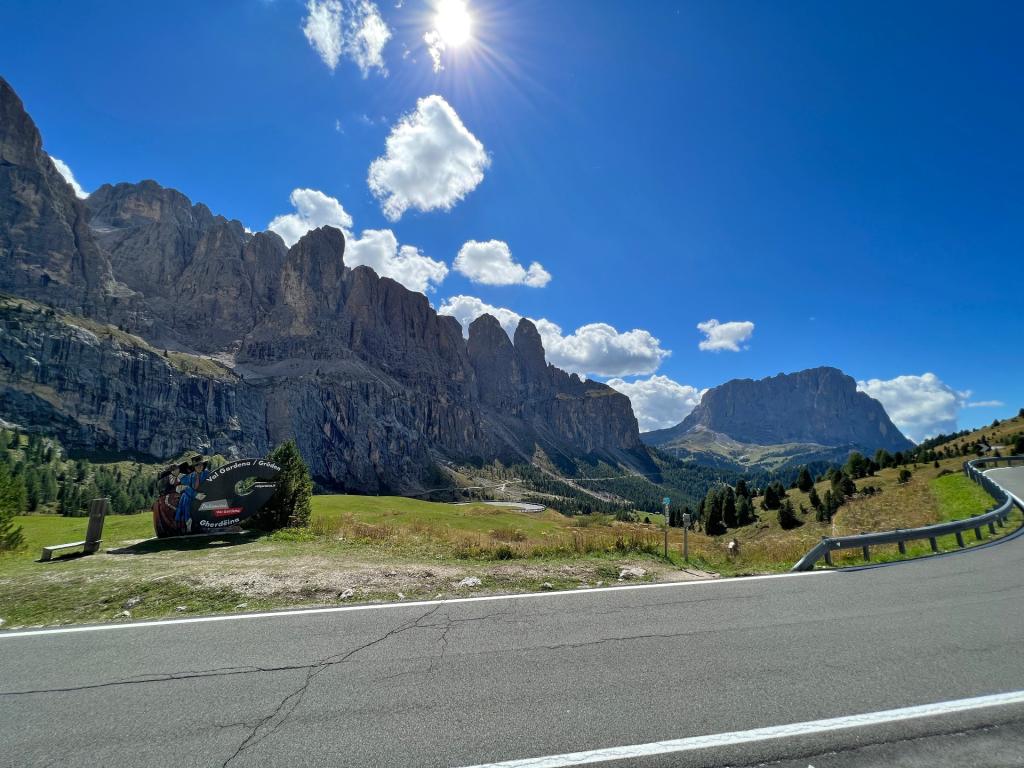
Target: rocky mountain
46	247
137	321
811	415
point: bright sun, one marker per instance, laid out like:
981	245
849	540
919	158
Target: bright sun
453	22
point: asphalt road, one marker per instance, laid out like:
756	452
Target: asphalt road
494	680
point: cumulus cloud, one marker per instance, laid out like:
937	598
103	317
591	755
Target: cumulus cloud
466	309
353	28
69	177
658	402
379	249
376	248
921	406
312	209
491	263
600	349
719	336
431	161
597	348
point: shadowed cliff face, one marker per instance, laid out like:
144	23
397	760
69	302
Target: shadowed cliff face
203	281
46	248
362	372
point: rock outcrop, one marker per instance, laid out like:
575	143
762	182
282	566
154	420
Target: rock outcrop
158	326
204	279
46	248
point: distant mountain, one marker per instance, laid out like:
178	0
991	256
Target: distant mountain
812	415
138	321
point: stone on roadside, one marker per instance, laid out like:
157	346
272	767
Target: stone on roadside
124	615
346	594
470	581
632	572
181	608
131	602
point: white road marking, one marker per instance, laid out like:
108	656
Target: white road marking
791	730
382	606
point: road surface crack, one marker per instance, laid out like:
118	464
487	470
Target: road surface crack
264	727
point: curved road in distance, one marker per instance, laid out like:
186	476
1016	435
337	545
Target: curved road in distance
509	679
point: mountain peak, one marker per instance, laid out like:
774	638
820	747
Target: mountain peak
818	407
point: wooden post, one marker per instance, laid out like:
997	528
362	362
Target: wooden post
960	539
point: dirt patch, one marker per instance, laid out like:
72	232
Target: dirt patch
325	580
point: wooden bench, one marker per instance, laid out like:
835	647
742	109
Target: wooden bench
93	533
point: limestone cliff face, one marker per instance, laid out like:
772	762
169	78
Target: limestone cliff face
818	406
204	280
101	389
514	380
149	288
46	248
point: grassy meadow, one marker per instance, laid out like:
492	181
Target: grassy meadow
366	548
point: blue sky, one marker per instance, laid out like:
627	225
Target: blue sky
835	183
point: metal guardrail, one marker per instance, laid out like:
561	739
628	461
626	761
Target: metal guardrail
900	537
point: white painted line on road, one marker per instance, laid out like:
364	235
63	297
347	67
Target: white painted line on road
810	728
382	606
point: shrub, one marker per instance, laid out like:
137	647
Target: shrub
787	518
290	505
904	476
12	501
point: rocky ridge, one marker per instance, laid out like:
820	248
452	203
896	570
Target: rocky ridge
119	308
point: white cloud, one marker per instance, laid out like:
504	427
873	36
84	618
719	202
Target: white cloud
719	336
69	177
353	28
379	249
921	406
597	348
658	402
491	263
376	248
323	29
435	47
431	161
366	37
313	209
986	404
466	309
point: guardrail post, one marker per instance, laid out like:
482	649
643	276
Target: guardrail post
991	527
828	557
934	543
960	539
977	533
903	547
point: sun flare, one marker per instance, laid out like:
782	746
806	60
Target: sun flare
453	22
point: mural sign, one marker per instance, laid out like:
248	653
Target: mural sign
195	499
